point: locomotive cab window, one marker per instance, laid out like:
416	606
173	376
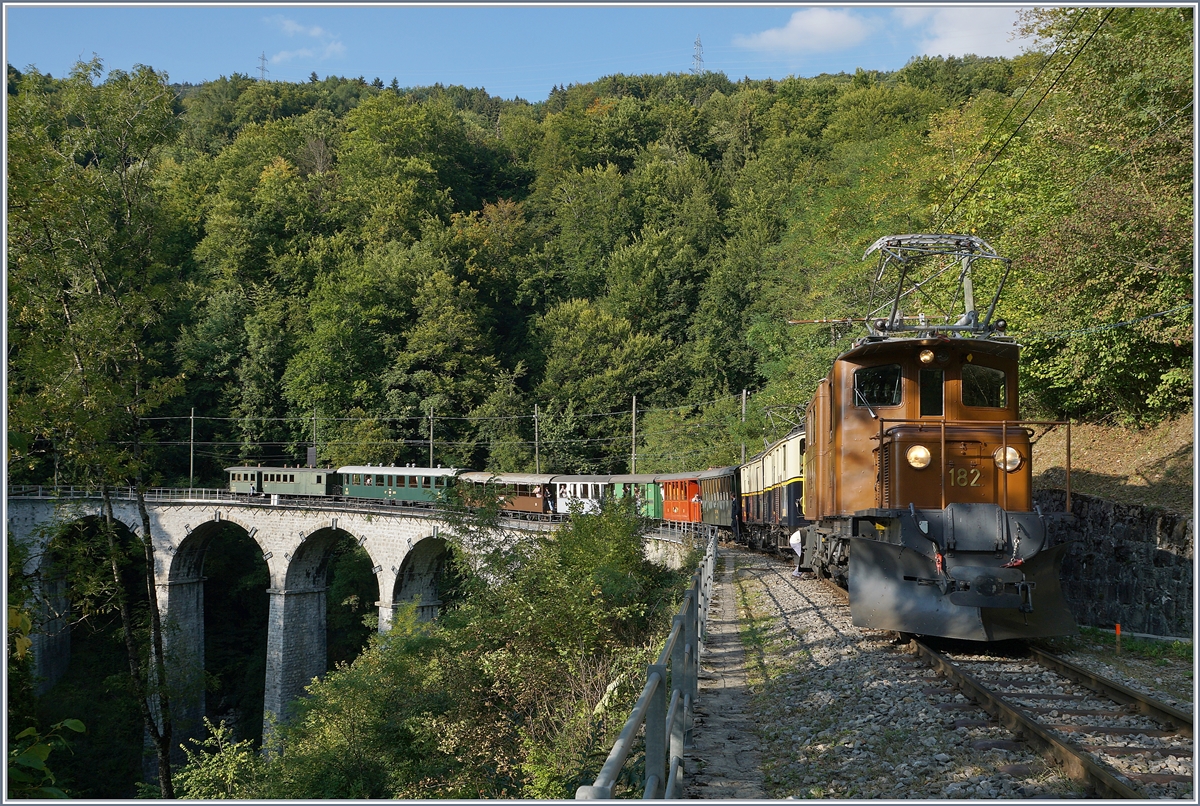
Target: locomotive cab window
877	386
984	386
932	382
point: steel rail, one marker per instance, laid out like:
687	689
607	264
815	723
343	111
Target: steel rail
1077	763
1180	719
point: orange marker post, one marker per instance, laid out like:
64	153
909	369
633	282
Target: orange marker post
1118	639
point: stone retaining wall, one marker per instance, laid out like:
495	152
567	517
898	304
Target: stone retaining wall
1127	565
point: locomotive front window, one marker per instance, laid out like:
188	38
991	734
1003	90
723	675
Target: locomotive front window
877	386
931	392
984	386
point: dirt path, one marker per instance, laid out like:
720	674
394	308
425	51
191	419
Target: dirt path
725	762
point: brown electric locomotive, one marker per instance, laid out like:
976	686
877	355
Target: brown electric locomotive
918	470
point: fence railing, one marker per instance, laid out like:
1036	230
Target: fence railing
666	715
124	493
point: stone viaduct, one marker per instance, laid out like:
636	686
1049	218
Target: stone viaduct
407	547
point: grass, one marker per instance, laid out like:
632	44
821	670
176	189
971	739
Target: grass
1092	639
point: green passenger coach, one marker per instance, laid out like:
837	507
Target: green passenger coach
643	488
409	485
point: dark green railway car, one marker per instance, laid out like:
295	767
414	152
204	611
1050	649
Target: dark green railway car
405	485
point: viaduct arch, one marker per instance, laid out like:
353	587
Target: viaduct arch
407	551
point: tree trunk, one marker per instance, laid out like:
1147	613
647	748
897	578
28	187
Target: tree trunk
161	739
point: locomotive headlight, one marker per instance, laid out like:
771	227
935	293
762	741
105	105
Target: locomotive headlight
919	457
1007	458
926	356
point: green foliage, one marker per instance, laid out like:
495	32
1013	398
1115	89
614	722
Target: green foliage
236	609
516	691
28	751
107	760
350	612
18	659
219	768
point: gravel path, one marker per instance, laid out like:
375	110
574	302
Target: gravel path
843	713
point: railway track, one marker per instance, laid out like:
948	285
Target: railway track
1119	742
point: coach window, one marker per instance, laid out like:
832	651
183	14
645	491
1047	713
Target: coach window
379	480
877	386
984	386
932	382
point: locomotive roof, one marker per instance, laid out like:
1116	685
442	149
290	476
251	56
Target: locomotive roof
400	471
890	345
484	477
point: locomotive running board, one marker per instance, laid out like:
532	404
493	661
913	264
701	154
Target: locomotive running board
882	599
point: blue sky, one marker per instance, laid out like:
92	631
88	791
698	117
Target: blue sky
511	50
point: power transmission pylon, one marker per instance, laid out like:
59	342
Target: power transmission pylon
262	67
698	58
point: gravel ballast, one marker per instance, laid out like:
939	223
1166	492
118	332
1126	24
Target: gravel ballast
847	713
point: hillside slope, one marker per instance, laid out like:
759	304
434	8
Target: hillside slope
1148	466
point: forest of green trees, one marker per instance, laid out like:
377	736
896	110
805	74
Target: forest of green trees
359	265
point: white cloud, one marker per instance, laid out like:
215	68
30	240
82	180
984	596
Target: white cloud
291	27
813	30
981	30
287	55
326	46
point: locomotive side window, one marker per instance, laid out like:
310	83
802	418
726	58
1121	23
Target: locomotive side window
931	392
984	386
877	386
